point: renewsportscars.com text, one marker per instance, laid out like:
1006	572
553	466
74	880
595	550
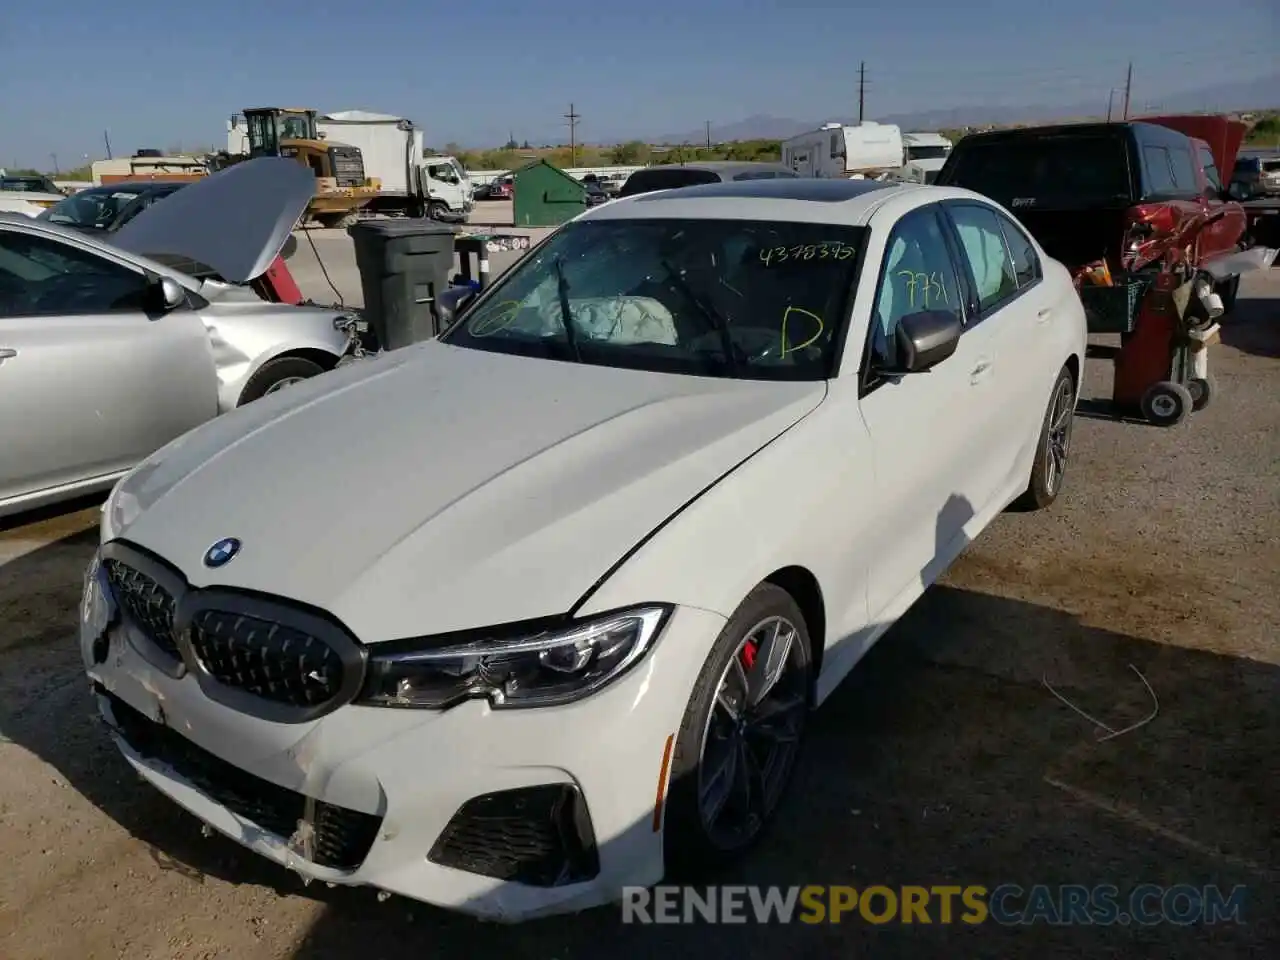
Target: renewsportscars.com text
1007	904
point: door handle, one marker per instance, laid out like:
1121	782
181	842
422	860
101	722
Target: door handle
6	353
1045	314
980	372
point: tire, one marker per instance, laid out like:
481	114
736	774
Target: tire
692	846
278	374
437	211
1053	447
1166	404
338	221
1202	391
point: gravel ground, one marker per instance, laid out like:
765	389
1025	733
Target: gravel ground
944	759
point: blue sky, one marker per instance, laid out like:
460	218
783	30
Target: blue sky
162	74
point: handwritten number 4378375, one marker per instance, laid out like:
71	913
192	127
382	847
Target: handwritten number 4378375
828	250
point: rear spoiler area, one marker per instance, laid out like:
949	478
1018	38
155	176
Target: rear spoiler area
1223	136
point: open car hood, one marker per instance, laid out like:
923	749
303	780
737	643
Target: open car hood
235	221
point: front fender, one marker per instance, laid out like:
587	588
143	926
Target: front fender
238	368
797	502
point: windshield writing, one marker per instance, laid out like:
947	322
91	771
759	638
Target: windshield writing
729	298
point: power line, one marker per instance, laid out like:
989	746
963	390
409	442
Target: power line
573	117
862	89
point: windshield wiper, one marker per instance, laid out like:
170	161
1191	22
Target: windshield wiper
566	312
717	321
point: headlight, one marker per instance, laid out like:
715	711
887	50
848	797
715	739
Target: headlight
97	606
552	667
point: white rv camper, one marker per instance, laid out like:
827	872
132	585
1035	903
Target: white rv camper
835	150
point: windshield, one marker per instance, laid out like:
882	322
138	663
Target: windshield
927	153
90	208
27	185
728	298
1072	171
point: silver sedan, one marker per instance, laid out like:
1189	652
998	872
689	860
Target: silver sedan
106	354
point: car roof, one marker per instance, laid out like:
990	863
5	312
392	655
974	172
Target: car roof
803	199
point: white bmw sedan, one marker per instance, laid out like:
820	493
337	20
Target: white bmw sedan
510	619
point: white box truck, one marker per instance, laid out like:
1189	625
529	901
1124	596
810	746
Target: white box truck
867	149
924	154
411	184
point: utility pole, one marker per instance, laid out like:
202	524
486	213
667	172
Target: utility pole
708	126
106	138
1128	87
1110	98
56	171
862	89
573	117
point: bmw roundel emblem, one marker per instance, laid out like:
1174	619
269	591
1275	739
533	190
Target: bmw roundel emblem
222	552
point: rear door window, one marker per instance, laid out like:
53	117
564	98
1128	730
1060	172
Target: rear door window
1184	173
983	246
1159	173
1063	171
1210	168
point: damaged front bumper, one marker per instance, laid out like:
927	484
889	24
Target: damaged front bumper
504	815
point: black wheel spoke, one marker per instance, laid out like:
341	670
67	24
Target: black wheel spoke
719	776
775	721
771	660
752	733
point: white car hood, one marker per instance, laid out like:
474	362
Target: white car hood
235	221
441	488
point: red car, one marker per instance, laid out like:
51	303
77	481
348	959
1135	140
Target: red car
1113	198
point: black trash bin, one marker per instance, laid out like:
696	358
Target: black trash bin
404	265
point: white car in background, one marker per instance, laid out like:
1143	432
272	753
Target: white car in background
512	618
113	345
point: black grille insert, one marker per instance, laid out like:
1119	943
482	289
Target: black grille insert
265	658
539	836
348	166
342	837
149	605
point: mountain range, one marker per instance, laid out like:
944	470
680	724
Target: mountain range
1246	95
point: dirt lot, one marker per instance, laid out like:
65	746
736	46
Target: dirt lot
945	759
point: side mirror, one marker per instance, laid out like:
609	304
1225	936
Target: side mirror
927	338
169	294
451	303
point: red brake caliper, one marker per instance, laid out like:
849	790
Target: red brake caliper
749	651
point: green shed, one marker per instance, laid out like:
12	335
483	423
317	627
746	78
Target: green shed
546	196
